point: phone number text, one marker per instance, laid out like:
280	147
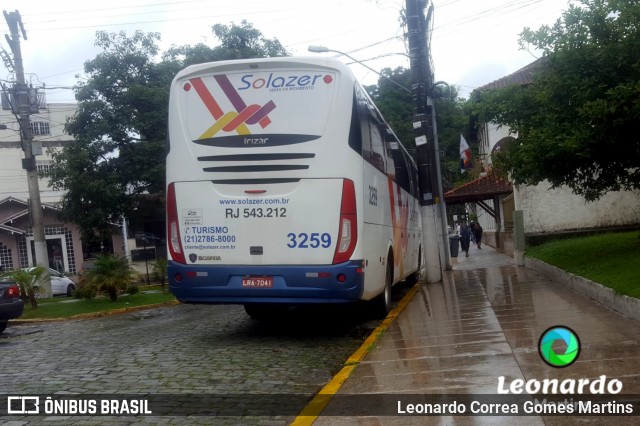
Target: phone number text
209	239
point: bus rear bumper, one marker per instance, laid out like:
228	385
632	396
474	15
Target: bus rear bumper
303	284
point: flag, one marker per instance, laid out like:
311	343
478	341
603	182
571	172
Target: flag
465	155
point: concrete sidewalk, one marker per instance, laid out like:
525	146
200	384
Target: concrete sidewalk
482	322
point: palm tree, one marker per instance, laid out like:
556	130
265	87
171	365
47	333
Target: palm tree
110	274
159	268
29	281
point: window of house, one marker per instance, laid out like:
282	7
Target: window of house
43	166
39	128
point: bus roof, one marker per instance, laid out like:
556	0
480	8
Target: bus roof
271	63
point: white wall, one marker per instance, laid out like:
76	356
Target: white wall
559	209
13	179
487	221
489	135
56	115
553	210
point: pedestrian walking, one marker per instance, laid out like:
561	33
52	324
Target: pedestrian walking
465	237
473	232
477	231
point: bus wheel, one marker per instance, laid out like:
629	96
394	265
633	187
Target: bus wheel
382	303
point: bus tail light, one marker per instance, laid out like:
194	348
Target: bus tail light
348	230
173	227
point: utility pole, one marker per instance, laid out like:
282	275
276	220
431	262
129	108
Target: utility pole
22	95
434	233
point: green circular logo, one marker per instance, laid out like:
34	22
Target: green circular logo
550	337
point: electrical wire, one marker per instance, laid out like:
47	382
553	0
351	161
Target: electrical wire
496	12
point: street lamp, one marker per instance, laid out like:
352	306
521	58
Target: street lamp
323	49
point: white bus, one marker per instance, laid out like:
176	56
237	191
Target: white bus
286	186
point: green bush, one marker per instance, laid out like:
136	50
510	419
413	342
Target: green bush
110	274
159	268
132	289
87	291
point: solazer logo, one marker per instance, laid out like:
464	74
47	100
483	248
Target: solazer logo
230	121
559	336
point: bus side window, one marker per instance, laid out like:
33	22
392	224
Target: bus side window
372	140
355	132
366	134
402	173
401	167
376	155
392	165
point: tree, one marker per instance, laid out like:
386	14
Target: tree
577	120
120	126
452	121
120	129
236	42
397	106
29	281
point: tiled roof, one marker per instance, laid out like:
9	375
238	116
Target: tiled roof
483	188
521	77
5	221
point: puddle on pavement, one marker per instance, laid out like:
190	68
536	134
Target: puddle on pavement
143	315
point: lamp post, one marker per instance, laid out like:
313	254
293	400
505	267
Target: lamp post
125	237
323	49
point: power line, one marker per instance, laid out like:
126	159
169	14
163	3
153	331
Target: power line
130	6
497	11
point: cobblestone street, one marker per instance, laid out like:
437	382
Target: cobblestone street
184	349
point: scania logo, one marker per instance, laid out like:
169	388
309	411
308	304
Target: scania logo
193	257
209	258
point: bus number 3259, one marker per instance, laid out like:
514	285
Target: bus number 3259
313	240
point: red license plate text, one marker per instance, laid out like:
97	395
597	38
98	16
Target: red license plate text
257	282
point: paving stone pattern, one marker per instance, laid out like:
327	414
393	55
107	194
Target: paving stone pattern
193	349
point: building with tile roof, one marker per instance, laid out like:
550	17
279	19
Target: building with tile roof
544	210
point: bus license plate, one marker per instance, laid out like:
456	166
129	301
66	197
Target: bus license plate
257	282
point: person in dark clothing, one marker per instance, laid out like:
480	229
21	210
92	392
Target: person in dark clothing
477	232
465	237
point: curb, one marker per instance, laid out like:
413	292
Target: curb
96	314
314	408
625	305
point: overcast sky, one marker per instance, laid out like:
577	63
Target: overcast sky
473	43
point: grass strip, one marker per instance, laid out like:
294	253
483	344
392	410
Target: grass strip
611	259
66	307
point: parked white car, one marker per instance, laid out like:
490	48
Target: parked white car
60	284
